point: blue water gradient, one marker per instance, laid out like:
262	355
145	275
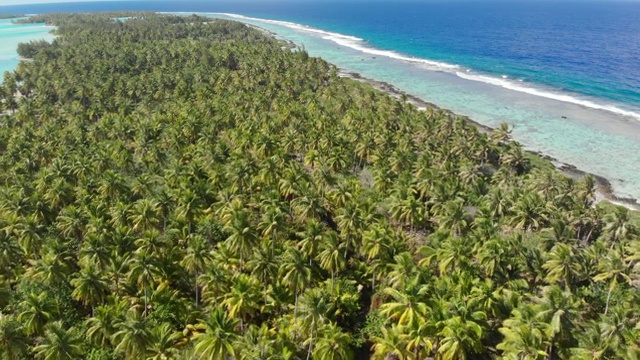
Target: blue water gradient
589	48
11	35
565	74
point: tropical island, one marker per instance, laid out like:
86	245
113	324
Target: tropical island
11	16
192	188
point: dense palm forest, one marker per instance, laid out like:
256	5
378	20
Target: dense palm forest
188	188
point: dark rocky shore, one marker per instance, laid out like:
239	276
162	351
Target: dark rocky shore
604	188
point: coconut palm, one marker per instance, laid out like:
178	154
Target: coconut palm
90	287
103	324
145	273
331	255
391	344
242	300
13	340
312	314
242	237
333	344
295	272
36	311
563	265
134	336
408	307
195	260
612	268
59	343
163	343
217	342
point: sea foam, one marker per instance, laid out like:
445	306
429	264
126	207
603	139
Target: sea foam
352	42
294	26
507	84
503	81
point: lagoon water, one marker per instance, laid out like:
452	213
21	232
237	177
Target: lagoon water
566	75
12	34
596	140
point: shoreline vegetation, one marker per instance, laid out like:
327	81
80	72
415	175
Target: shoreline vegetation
11	16
605	189
192	188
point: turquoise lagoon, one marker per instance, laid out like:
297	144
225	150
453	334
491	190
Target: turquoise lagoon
596	137
13	34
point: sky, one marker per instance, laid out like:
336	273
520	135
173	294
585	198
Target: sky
26	2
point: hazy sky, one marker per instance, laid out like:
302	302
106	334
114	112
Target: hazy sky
25	2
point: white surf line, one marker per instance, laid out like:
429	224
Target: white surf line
545	94
359	44
352	42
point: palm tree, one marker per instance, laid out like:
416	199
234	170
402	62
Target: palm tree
592	344
420	339
242	237
530	212
617	225
612	268
333	344
562	311
93	251
145	214
134	336
219	339
29	231
188	207
36	310
59	343
273	222
408	307
90	287
257	343
563	265
53	268
264	267
10	254
391	344
461	338
526	334
242	300
163	343
103	324
330	256
295	272
13	341
377	248
196	259
403	270
312	314
311	237
408	210
501	134
454	218
145	273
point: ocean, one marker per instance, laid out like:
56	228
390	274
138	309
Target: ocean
11	35
565	74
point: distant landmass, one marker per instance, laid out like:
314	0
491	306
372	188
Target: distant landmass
11	16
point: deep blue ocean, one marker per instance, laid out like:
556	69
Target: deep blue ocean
586	47
565	73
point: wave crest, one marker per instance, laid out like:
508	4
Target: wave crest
294	26
503	81
352	42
